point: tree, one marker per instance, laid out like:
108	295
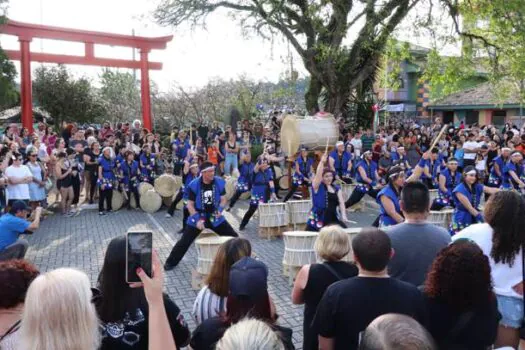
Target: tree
121	95
8	92
67	99
317	30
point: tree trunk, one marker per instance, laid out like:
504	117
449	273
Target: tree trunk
336	102
312	95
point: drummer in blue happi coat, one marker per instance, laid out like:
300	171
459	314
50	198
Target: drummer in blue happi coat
448	180
467	196
430	176
513	172
244	182
130	177
147	164
303	170
388	198
190	173
498	167
368	180
263	188
326	198
179	150
340	161
206	202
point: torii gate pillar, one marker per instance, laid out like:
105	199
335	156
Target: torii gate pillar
145	90
26	92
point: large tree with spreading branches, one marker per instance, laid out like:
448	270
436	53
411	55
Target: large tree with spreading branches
340	42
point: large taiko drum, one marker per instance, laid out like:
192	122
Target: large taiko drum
283	182
351	234
299	211
441	218
207	250
312	132
144	187
117	200
150	201
347	190
299	248
273	215
165	185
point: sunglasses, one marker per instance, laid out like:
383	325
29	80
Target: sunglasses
32	155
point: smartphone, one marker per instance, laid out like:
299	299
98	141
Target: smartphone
139	248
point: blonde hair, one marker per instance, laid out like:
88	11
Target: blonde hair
58	313
332	244
250	334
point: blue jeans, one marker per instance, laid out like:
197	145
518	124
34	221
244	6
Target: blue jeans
231	161
511	310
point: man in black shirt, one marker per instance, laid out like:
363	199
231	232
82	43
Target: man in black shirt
348	306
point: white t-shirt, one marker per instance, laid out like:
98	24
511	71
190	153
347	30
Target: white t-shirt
358	145
504	276
481	165
471	145
207	305
20	191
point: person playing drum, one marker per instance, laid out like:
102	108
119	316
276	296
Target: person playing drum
513	172
367	180
326	198
400	158
448	180
206	202
147	164
244	182
106	179
388	198
190	173
179	147
303	167
130	177
498	166
341	162
432	168
467	196
262	186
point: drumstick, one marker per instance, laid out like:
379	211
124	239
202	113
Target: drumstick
436	140
327	143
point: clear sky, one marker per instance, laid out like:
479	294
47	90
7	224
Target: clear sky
191	59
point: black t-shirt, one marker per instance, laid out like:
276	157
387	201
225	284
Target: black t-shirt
349	306
210	331
73	143
131	333
92	157
206	194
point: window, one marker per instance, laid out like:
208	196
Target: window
471	117
498	118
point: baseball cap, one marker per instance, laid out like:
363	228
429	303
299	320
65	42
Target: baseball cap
18	206
248	279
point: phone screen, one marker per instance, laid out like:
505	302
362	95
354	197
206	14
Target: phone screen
138	254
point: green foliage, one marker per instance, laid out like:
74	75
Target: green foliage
67	98
121	95
394	55
256	151
8	93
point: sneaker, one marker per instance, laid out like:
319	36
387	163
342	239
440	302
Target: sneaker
167	215
101	213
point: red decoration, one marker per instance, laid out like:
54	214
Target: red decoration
26	32
376	108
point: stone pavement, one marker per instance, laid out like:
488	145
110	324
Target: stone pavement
80	242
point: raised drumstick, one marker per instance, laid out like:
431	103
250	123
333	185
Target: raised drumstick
436	140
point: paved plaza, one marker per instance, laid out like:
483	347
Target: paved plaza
80	242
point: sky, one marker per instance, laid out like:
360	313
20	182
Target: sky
191	59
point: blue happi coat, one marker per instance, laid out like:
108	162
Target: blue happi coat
451	181
130	174
341	163
304	170
370	170
108	175
462	218
147	166
319	204
181	149
261	186
384	218
433	169
244	183
508	182
196	187
494	179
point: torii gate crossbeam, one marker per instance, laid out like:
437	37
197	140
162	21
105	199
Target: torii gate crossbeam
26	32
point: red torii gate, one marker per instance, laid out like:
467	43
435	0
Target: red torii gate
26	32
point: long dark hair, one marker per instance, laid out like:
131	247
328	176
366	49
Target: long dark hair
239	308
505	213
117	297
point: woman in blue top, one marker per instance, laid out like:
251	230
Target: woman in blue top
106	179
303	170
130	177
244	182
326	198
448	180
498	166
513	172
388	198
147	164
262	186
467	196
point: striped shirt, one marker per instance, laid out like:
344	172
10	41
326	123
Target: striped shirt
207	305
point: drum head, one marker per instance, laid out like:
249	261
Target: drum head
290	138
283	182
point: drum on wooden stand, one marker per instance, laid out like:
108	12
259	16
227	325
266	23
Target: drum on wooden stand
311	132
298	251
117	200
207	248
272	217
144	187
299	211
441	218
150	201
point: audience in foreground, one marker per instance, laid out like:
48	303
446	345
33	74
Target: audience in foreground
250	334
396	332
332	244
501	239
123	311
348	306
15	278
12	225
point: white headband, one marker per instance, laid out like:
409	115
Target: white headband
208	168
472	172
194	165
396	174
506	149
339	143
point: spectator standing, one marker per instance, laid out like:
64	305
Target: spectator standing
331	246
126	309
463	312
232	151
37	190
358	144
19	177
348	306
91	156
15	278
416	242
367	140
250	334
471	148
501	239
